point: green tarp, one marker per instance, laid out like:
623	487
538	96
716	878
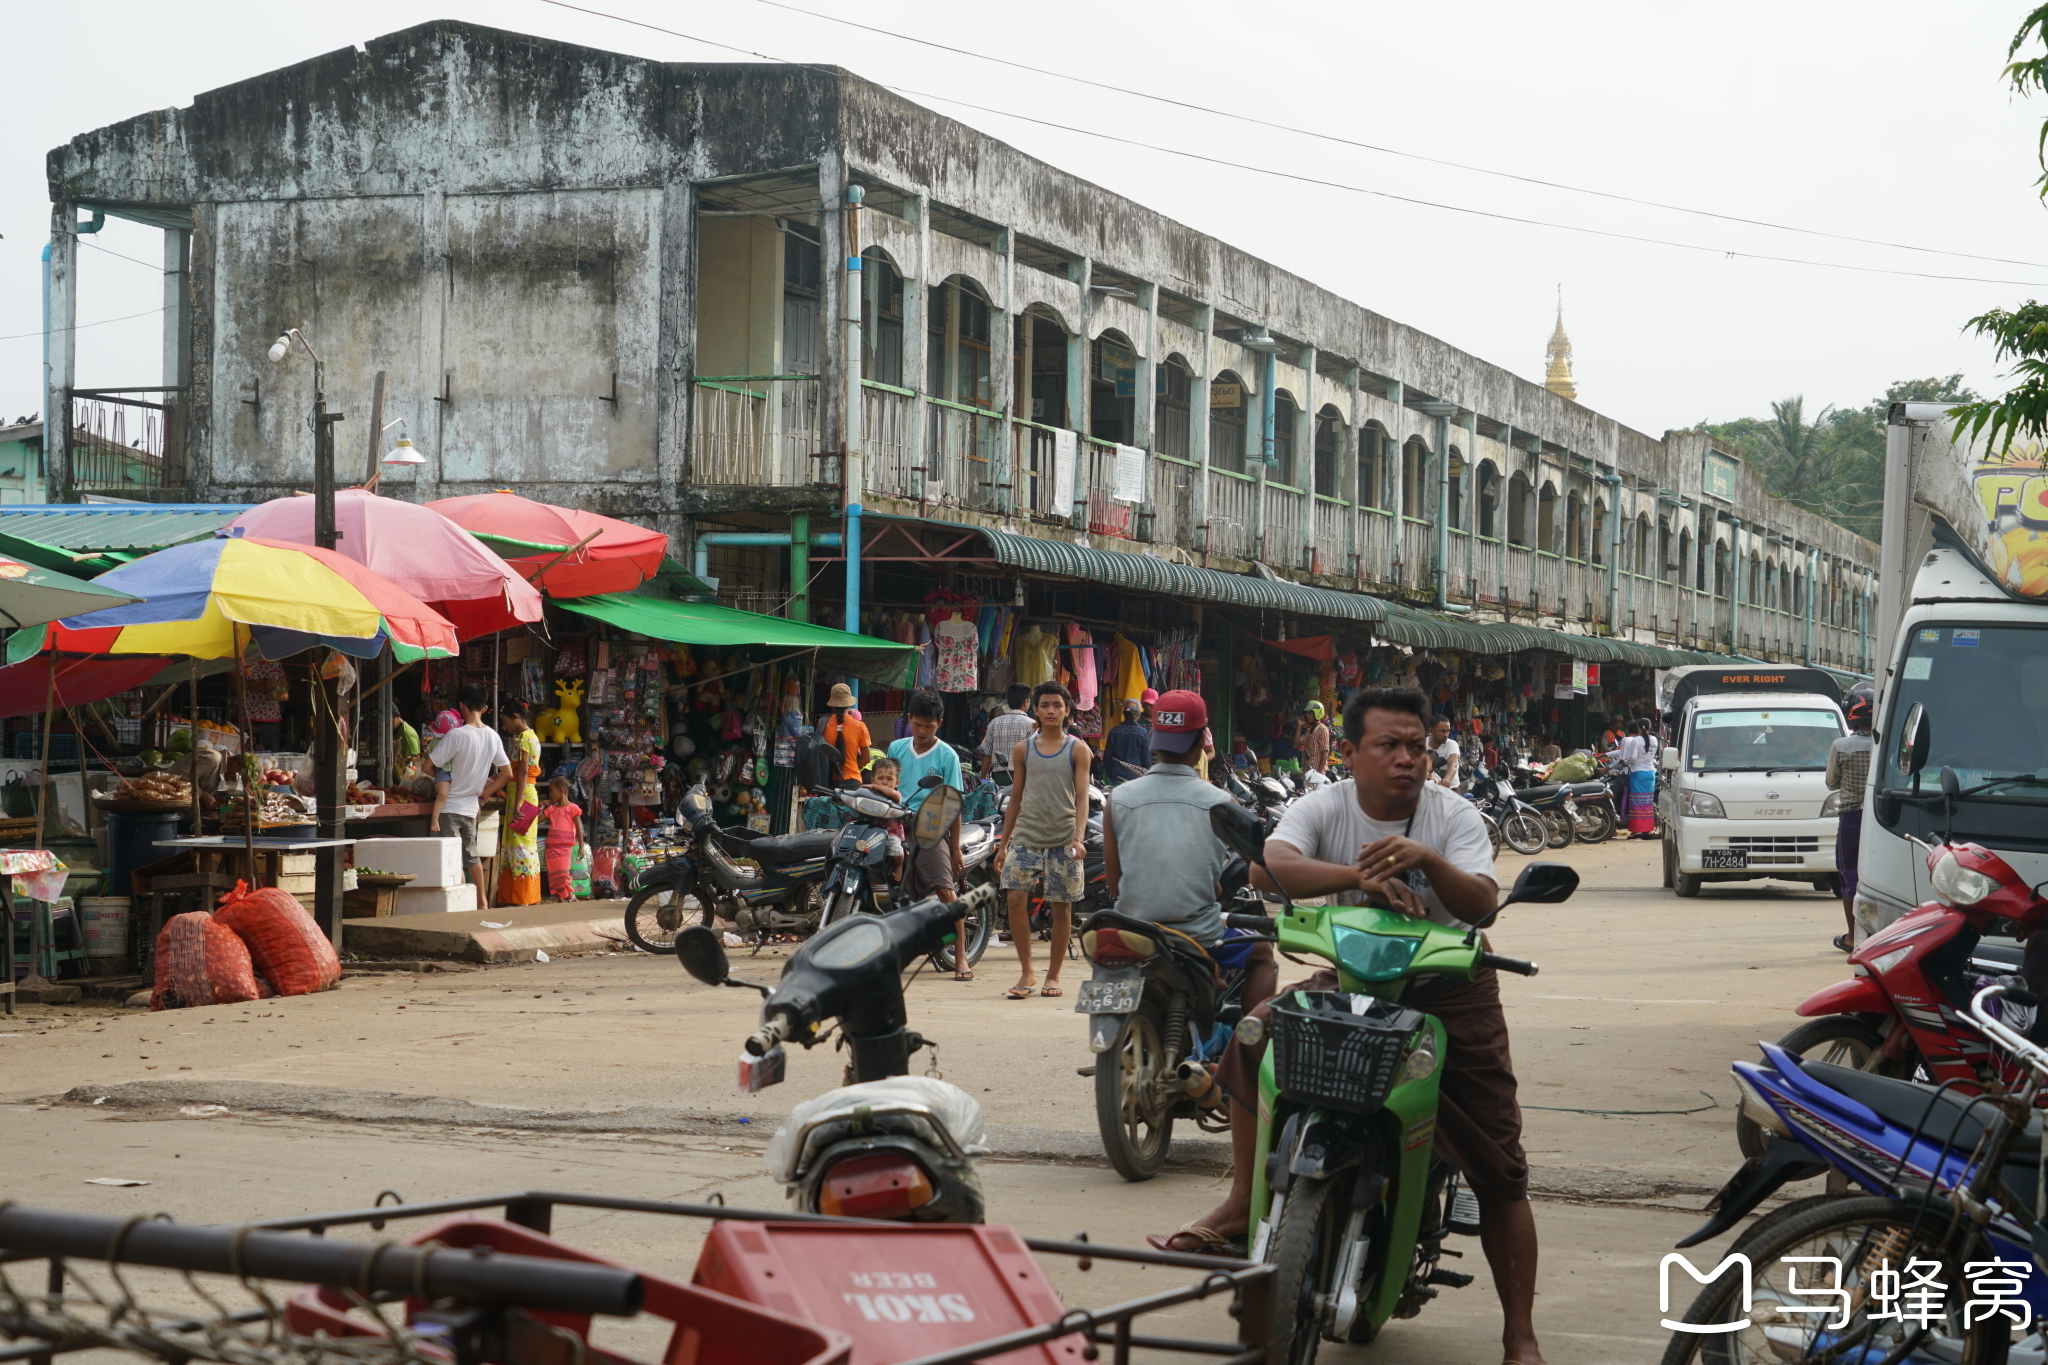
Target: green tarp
696	623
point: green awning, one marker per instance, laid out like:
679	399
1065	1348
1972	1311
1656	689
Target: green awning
91	538
698	623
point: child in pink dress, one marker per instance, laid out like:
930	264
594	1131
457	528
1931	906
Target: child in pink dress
565	830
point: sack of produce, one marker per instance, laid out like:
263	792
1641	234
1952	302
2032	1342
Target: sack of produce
200	961
1573	768
284	942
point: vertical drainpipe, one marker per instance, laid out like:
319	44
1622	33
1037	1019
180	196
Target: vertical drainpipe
1440	542
1613	482
856	467
1268	377
43	456
1735	549
799	608
1812	563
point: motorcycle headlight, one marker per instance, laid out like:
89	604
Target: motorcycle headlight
1958	885
1833	805
1883	964
1704	805
872	807
1421	1059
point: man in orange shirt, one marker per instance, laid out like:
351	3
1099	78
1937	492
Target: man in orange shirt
847	732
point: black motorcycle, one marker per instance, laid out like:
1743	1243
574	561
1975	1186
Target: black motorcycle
782	893
860	881
1571	811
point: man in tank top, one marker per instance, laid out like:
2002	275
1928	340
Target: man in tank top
1045	831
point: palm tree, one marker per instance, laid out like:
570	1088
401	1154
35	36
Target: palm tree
1799	455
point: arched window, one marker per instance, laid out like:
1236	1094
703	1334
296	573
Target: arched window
1285	413
1228	399
1113	389
1682	567
1646	547
1455	497
1721	571
1574	526
881	318
1372	445
1597	532
1414	475
1518	509
1546	518
958	319
1488	492
1175	386
1042	367
1329	441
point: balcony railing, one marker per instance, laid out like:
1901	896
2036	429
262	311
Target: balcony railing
1284	541
1329	541
1170	497
757	430
1232	498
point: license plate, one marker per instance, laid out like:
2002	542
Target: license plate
1571	807
1108	997
1724	857
758	1073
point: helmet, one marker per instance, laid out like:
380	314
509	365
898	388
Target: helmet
1858	710
1315	708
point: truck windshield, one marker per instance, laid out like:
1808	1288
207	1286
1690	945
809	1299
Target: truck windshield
1764	740
1986	693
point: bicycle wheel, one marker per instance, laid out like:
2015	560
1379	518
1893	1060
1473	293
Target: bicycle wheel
656	914
1524	833
1864	1234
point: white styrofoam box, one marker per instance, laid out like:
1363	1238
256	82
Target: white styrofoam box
434	861
487	833
434	900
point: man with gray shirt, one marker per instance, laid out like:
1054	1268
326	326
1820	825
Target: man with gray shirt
473	767
1160	859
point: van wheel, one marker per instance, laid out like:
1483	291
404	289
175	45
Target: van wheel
1832	884
1670	861
1686	884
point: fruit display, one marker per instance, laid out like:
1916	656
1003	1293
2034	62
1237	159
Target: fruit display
150	792
279	777
277	809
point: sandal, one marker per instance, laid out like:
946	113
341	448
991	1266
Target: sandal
1207	1241
1842	942
1017	993
1051	990
963	975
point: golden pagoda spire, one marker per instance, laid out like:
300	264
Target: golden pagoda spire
1558	376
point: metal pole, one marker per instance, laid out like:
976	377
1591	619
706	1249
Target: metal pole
856	467
329	756
376	425
799	608
1892	583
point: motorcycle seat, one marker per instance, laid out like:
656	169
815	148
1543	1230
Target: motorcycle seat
778	850
1544	792
1906	1104
1581	791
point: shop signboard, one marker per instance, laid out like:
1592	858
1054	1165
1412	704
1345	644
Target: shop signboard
1717	480
1226	395
1130	474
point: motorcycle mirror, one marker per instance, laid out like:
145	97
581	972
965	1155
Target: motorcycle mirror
702	954
1951	785
930	780
1916	737
936	816
1542	884
1239	831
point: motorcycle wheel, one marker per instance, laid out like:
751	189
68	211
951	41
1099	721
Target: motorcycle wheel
656	914
1558	829
981	926
1525	833
1492	831
1859	1233
1304	1255
1838	1038
1132	1109
1595	824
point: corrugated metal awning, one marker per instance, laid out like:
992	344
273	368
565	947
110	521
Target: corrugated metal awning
88	538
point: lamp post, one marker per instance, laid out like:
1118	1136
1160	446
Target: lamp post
330	782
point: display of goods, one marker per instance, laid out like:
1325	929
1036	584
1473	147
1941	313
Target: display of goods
151	791
279	777
284	942
200	961
277	809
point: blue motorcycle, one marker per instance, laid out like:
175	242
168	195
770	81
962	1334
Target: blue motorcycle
1935	1264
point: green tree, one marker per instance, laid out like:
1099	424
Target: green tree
2019	336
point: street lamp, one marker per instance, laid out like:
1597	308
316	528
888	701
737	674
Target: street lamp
402	452
324	533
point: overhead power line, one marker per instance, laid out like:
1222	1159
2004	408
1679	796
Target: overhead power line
1725	252
1385	150
80	327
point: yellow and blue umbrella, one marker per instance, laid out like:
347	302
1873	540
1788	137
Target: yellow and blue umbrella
211	599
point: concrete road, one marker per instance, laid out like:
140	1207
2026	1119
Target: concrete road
615	1075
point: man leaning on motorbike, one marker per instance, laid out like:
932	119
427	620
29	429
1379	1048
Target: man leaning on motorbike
1399	840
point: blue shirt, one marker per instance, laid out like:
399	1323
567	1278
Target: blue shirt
1170	858
940	759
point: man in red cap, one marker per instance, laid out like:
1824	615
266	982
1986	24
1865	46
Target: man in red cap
1159	857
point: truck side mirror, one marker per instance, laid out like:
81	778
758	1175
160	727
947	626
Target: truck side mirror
1668	760
1916	737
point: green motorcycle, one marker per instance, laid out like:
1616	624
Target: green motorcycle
1348	1202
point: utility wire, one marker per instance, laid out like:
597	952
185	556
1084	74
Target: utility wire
146	264
1388	151
83	325
1312	180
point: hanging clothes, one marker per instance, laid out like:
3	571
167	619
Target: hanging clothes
957	668
1081	650
1034	657
1130	670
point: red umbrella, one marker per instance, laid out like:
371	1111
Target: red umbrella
560	550
413	547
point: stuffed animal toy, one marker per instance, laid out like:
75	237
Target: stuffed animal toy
568	728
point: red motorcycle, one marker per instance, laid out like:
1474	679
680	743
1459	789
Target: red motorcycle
1903	1009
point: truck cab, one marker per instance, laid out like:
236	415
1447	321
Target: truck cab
1743	794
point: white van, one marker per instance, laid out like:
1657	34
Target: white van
1744	794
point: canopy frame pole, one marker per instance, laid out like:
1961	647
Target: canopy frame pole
193	724
252	807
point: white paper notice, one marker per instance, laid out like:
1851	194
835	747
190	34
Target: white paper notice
1063	447
1130	474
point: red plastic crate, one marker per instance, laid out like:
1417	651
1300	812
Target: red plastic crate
900	1292
710	1328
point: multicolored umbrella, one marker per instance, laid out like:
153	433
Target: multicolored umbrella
30	596
210	599
414	548
560	550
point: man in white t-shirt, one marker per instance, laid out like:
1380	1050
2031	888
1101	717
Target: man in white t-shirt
1391	836
473	767
1445	748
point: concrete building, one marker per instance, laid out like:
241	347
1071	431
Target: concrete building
613	282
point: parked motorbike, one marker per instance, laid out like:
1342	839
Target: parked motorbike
1349	1208
859	881
1581	811
1510	819
1160	1010
1956	1183
781	894
1899	1012
886	1144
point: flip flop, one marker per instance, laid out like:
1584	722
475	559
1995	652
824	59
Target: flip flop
1017	993
1051	990
1208	1241
963	976
1842	942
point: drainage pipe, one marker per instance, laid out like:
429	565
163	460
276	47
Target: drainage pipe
829	539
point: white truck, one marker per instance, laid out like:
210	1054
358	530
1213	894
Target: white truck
1962	645
1744	794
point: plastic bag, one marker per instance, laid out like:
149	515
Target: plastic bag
1572	768
959	1111
285	943
200	961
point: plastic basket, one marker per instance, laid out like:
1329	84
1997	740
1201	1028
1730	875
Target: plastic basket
1326	1052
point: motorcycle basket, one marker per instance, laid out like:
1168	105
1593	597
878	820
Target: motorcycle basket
1339	1050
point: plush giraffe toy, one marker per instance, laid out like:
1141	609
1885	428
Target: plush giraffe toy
568	726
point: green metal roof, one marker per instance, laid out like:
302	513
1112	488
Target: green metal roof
702	623
89	538
1390	620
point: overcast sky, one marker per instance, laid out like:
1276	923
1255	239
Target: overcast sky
1872	120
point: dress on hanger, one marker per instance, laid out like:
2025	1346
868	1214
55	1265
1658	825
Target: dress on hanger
957	669
1081	648
1034	657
